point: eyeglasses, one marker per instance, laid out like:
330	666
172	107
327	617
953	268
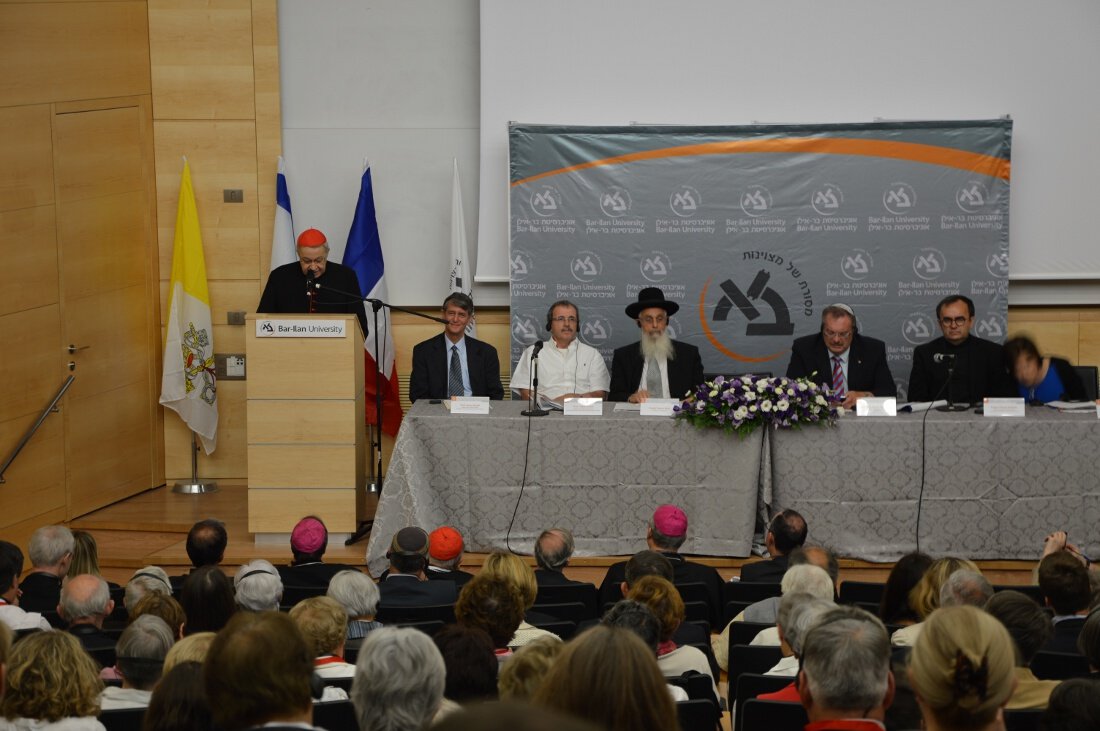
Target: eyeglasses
838	336
654	320
956	321
563	320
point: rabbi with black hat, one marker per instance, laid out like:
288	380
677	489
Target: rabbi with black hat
657	366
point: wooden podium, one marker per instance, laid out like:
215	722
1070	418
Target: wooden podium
306	421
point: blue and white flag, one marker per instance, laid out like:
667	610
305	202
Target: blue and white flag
283	250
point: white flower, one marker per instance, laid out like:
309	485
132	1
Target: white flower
790	392
714	392
783	405
765	405
752	408
761	385
740	413
750	396
820	400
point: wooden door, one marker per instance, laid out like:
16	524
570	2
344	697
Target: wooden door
106	253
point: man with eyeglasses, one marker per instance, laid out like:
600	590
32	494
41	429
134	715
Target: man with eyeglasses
839	357
453	363
313	283
979	365
567	367
656	366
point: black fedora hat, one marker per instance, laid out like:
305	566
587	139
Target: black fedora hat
651	297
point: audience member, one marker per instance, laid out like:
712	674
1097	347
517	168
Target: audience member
445	548
640	619
207	600
804	579
1029	627
406	585
664	601
308	543
51	552
206	542
515	570
553	550
786	532
146	580
666	534
493	604
471	662
521	676
323	622
11	614
85	604
1088	642
965	588
258	587
258	672
51	683
511	715
192	648
804	614
163	606
141	652
906	573
358	595
86	557
1041	379
608	676
399	680
1065	583
179	701
845	681
1074	706
925	596
961	669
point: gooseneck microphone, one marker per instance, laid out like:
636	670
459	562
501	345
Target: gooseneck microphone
533	404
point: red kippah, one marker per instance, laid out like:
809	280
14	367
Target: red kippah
312	237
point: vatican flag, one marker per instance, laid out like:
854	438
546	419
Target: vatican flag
189	386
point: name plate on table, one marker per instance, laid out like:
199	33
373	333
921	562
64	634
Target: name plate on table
300	328
877	406
469	405
1003	407
584	407
659	406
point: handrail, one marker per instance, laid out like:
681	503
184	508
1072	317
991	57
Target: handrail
50	408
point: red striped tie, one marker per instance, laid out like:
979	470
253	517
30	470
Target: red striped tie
838	377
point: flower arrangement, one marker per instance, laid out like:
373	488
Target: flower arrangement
743	404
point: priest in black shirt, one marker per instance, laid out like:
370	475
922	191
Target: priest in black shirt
979	365
336	288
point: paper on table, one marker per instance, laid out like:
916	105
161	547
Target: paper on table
1072	405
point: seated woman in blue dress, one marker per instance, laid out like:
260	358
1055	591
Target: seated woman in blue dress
1041	379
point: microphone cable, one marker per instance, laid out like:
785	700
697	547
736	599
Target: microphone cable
923	456
523	479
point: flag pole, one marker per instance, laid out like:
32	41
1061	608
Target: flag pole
195	486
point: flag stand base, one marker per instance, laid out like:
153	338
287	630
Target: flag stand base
195	486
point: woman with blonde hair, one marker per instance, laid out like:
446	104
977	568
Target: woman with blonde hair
924	598
608	676
962	670
86	557
515	571
52	685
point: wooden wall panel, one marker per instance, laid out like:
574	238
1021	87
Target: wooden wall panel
27	236
109	324
225	296
35	482
119	219
111	166
33	371
230	459
222	155
201	59
269	123
63	51
271	511
26	156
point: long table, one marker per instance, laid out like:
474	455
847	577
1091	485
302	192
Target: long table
599	476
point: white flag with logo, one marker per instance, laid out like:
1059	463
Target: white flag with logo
460	280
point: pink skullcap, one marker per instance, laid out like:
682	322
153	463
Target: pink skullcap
311	237
308	536
670	521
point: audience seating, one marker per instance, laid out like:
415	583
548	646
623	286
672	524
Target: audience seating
563	629
699	688
585	594
750	685
575	612
751	659
1059	665
750	591
428	627
697	599
342	683
743	633
706	649
334	716
1088	376
1030	590
696	715
772	715
403	615
125	719
853	592
733	609
294	594
1023	720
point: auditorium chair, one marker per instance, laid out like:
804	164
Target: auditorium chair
772	715
754	659
563	628
861	592
698	687
750	685
743	633
750	591
708	651
294	594
733	609
335	716
123	719
1024	719
1059	665
696	715
1027	589
575	612
1088	376
585	594
342	683
696	598
428	627
403	615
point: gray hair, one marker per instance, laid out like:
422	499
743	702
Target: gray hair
965	588
259	587
49	544
355	592
803	616
399	680
141	650
846	658
554	560
90	605
809	579
147	580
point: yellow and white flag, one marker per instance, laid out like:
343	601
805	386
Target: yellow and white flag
189	386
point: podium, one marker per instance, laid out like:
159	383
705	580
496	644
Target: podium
306	421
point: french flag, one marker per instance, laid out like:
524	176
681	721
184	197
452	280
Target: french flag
283	250
364	255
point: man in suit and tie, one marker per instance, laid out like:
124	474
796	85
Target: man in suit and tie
406	584
657	366
453	364
839	357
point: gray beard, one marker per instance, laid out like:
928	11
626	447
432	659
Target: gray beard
659	347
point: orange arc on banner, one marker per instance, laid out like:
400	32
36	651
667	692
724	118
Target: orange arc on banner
995	167
717	343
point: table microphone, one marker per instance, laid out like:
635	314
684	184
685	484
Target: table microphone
536	349
533	408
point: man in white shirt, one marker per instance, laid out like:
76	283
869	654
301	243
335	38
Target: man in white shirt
11	614
567	368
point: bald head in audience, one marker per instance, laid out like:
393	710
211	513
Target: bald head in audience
85	599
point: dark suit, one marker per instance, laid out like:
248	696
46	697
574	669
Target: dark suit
430	369
979	372
99	644
685	371
41	592
683	572
1065	636
457	577
867	368
770	571
311	574
285	292
554	578
406	590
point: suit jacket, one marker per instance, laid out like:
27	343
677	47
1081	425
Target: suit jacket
405	590
1065	636
41	592
867	368
554	578
285	292
311	574
457	577
683	572
771	570
979	371
685	371
429	371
